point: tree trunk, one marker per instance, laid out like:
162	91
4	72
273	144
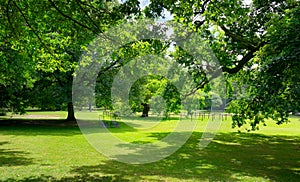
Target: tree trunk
145	110
71	115
90	107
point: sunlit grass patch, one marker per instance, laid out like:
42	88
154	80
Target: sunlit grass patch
49	153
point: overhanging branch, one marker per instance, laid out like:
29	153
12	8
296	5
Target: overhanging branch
33	30
247	44
203	7
82	9
70	18
240	64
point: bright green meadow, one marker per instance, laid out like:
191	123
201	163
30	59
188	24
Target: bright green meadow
61	153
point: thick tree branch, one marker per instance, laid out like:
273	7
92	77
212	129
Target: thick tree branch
199	86
70	18
93	7
241	63
199	23
214	74
114	64
33	30
203	7
80	6
247	44
8	16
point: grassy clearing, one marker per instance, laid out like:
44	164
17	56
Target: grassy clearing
48	153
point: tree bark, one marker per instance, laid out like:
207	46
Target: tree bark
71	115
145	110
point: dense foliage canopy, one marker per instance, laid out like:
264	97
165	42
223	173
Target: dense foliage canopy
256	42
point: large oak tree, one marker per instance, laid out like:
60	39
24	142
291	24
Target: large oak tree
41	41
257	44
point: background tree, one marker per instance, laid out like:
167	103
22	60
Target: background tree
143	90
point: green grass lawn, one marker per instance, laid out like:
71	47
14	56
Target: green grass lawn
49	153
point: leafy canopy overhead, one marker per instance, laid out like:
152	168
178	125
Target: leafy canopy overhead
46	38
258	47
256	43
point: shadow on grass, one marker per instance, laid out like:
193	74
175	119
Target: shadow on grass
35	130
38	122
230	156
10	157
53	127
88	178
